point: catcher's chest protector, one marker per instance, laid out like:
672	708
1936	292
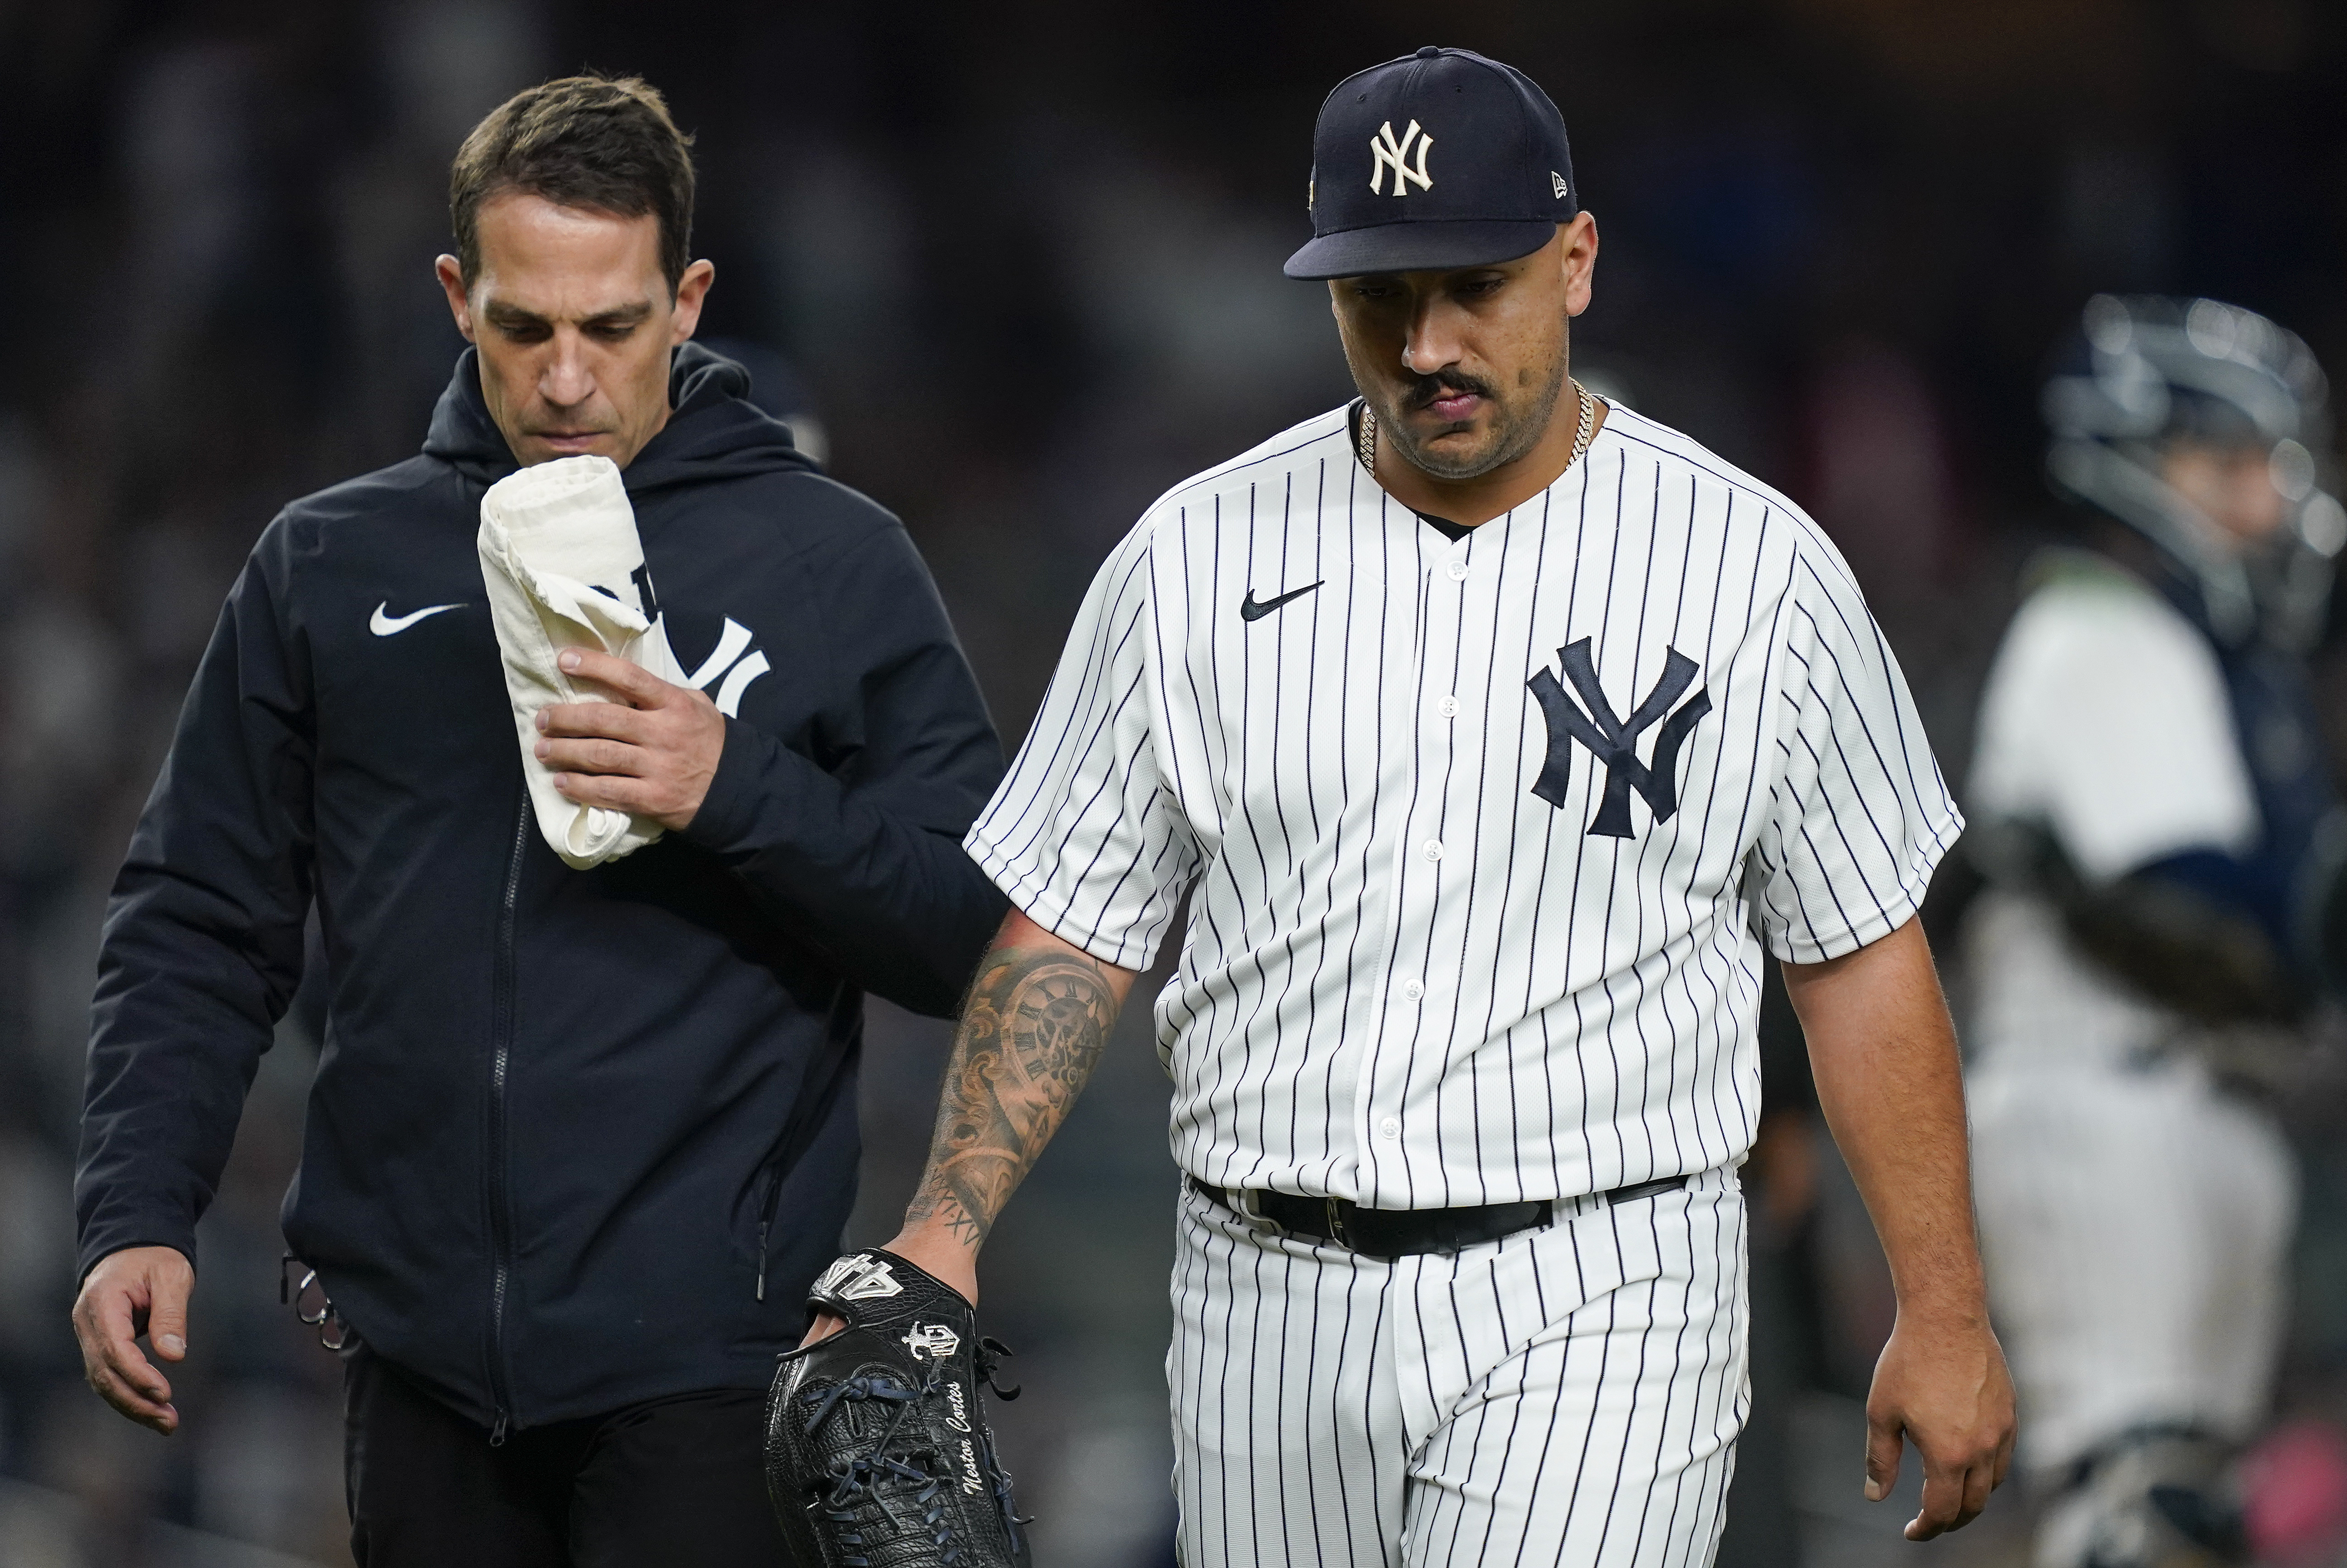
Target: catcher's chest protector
878	1454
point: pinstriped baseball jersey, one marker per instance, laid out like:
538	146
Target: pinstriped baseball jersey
1483	836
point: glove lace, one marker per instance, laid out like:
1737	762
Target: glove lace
990	1354
856	1481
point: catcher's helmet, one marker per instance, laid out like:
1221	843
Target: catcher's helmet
2142	372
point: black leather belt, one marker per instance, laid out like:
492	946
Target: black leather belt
1403	1232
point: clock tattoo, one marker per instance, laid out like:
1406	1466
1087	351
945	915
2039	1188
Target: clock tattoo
1030	1034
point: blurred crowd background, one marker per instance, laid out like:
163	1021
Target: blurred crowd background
1024	259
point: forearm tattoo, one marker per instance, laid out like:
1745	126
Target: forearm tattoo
1030	1034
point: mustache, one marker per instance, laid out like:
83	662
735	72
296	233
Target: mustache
1424	389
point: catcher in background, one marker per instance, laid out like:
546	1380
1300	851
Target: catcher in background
2146	792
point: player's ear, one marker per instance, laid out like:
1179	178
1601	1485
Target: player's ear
1580	249
692	289
452	284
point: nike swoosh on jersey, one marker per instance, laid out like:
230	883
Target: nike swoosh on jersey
384	625
1250	609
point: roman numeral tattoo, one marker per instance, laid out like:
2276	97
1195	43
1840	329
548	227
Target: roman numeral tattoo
1030	1034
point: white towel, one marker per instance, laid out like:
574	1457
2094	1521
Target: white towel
559	557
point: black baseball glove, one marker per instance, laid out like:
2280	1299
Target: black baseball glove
877	1455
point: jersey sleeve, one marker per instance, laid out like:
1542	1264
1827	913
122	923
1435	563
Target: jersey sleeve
1859	815
1083	835
2106	717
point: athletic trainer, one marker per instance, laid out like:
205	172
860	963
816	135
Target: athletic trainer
1496	736
579	1139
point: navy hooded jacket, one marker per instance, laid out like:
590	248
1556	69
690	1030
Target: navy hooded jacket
576	1138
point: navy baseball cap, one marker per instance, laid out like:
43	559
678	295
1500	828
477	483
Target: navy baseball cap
1442	158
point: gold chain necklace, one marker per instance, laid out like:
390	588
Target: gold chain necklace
1366	446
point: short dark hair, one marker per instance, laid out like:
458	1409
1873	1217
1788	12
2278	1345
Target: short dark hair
598	142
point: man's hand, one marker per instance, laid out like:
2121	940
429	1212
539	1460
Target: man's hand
653	752
1945	1387
138	1290
1884	1054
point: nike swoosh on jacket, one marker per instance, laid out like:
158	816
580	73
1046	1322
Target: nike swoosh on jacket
384	624
576	1138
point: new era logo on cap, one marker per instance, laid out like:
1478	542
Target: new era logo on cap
1382	202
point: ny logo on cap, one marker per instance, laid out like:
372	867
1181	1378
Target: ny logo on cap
1393	154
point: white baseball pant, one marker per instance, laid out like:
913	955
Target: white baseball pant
1568	1395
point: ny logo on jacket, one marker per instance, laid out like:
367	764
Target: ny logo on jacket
737	662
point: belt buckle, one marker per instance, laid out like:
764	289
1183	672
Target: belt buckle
1242	1202
1336	1224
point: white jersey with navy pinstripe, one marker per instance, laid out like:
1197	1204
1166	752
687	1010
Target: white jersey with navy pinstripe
1485	836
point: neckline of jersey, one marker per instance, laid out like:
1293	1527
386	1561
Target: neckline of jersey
1456	532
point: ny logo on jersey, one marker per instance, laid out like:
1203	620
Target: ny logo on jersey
1392	154
1613	741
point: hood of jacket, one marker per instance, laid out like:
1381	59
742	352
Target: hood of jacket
713	432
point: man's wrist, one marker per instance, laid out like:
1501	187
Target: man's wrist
939	1251
1959	1311
726	815
97	1250
932	1237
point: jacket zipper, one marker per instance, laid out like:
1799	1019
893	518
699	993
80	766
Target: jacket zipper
785	1158
501	1053
766	1221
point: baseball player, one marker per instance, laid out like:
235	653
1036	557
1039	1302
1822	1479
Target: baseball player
2150	782
1493	734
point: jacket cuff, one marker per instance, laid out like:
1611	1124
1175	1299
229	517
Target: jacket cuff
736	816
731	808
106	1240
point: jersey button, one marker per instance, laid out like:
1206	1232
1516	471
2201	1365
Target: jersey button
1459	571
1389	1129
1431	849
1447	706
1412	990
